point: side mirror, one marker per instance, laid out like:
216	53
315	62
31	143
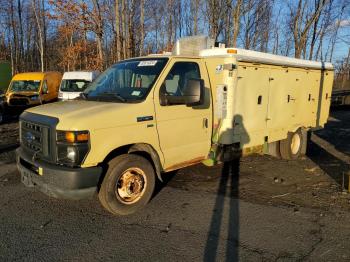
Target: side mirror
45	88
194	92
192	95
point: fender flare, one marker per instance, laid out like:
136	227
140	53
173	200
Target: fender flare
152	153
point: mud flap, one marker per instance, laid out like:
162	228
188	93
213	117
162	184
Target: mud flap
305	136
274	149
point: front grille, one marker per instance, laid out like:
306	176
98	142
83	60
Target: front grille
38	136
19	101
35	138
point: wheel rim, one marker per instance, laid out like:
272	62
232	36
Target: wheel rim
295	145
131	185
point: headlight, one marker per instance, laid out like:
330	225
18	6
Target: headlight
72	147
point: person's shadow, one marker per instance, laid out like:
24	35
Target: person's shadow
228	190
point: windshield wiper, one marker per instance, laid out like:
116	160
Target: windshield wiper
119	97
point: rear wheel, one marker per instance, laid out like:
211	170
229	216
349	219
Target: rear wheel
128	184
291	147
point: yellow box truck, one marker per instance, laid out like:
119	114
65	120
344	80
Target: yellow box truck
31	89
146	116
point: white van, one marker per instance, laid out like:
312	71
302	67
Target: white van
73	83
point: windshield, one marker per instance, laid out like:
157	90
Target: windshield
73	85
25	85
126	81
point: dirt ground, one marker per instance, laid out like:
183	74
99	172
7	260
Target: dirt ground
317	180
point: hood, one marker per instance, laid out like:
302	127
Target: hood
92	115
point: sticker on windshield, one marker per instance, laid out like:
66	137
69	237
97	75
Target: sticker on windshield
148	63
36	81
136	93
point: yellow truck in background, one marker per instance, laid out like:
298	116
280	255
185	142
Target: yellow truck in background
146	116
31	89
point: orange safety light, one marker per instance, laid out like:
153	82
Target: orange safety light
73	137
82	137
231	51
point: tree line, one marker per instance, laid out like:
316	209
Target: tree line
82	35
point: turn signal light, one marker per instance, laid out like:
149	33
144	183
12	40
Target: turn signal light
76	136
82	137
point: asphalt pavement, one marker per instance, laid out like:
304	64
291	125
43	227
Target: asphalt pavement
260	209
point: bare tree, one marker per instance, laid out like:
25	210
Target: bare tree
39	19
302	18
142	24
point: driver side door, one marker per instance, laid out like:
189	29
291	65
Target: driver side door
184	131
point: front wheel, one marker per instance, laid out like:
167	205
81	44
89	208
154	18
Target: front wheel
128	185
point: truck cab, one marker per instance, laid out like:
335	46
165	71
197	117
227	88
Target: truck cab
74	83
146	116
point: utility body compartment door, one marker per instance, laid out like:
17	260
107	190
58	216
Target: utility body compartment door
251	102
184	131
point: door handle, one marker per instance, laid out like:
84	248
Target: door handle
205	122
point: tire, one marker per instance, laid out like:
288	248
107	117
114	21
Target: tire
127	173
291	147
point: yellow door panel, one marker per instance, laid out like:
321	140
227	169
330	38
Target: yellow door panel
326	81
184	131
282	100
251	104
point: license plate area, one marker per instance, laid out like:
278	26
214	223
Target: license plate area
31	167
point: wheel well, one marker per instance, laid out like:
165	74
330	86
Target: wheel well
296	128
144	150
116	152
148	152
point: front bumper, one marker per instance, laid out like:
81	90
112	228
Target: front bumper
23	102
58	181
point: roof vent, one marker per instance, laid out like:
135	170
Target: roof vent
192	45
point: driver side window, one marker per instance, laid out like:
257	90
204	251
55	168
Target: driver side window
178	76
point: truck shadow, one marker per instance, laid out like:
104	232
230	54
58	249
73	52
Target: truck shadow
337	136
337	130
